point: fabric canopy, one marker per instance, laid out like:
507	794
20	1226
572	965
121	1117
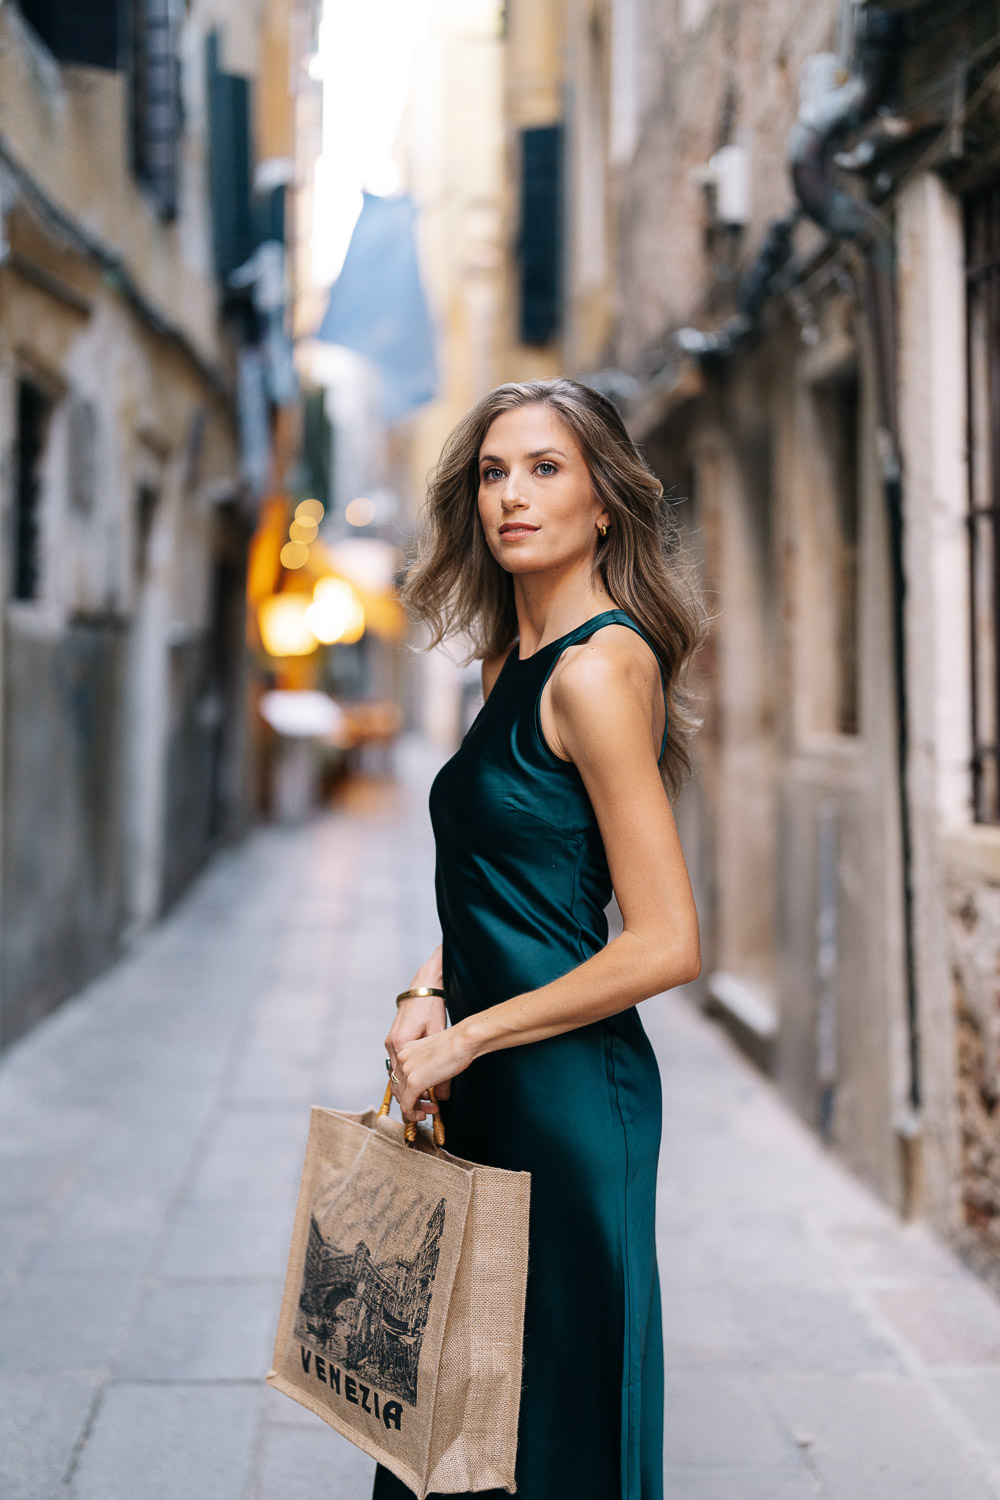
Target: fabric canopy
377	305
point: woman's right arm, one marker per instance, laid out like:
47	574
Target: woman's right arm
425	1015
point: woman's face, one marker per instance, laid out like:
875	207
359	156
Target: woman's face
536	499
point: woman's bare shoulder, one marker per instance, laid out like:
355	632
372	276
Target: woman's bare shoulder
611	653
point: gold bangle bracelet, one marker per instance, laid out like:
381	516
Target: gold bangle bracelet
418	993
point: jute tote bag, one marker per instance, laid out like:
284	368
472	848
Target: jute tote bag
403	1313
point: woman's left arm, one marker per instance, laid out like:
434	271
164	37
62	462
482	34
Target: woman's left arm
601	709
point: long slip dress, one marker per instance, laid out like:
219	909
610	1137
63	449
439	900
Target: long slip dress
522	884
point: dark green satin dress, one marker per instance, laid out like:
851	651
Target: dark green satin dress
522	883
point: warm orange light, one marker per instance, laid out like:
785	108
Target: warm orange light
356	625
336	613
309	510
360	512
294	555
303	531
284	629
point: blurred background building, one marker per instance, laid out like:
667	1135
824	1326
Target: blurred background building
771	233
145	155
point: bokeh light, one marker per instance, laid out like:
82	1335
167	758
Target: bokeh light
309	510
294	555
360	512
336	613
303	531
283	626
355	625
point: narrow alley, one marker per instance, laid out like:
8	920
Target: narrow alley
151	1134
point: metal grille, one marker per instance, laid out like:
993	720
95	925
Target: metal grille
982	228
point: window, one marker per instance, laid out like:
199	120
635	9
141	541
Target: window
154	102
837	404
79	31
982	229
147	498
540	241
33	412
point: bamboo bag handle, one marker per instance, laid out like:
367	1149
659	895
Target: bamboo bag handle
410	1126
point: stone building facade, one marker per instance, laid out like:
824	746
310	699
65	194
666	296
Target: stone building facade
141	165
776	232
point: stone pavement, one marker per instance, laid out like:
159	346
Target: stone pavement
151	1136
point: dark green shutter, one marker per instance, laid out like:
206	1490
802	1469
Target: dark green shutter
229	157
80	31
155	101
540	238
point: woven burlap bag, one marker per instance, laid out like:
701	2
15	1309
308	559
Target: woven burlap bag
402	1318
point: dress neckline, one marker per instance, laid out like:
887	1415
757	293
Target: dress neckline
560	638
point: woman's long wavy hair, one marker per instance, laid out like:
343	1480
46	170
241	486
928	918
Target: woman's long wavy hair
458	588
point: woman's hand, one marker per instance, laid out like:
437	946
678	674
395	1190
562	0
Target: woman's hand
421	1016
430	1062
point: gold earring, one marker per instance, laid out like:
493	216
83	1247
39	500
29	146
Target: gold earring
603	530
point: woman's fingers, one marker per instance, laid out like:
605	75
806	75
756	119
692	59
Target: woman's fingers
423	1105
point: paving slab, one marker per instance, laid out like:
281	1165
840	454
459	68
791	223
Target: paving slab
977	1397
720	1419
64	1321
211	1330
169	1442
953	1322
875	1438
786	1483
298	1460
42	1419
226	1240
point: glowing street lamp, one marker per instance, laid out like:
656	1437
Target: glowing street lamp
336	613
284	628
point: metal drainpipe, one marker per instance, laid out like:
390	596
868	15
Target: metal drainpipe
820	129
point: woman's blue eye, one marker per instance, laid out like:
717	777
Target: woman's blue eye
489	473
547	463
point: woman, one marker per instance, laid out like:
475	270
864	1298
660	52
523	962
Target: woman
548	547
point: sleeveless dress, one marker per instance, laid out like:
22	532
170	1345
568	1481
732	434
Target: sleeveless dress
522	883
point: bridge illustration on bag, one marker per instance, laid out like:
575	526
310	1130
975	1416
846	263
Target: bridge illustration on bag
370	1316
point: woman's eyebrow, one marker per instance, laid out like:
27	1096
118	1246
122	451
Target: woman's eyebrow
491	458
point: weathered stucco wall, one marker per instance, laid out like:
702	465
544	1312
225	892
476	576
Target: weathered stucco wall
123	672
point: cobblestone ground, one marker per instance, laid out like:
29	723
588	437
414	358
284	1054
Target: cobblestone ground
151	1136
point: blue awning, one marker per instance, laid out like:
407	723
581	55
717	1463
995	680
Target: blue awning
377	305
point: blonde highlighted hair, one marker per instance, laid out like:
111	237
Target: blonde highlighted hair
458	588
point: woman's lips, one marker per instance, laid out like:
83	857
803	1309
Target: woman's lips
514	531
